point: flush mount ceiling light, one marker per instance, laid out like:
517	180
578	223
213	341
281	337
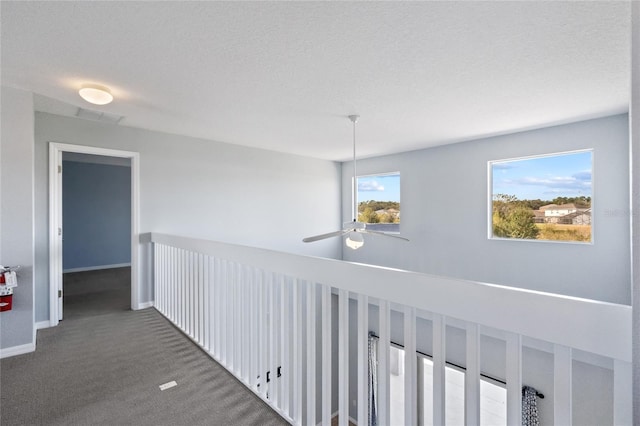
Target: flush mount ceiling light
96	94
353	230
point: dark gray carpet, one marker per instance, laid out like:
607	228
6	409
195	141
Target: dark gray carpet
104	367
98	292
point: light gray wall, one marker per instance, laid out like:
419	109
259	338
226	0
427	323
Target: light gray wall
202	189
16	212
444	202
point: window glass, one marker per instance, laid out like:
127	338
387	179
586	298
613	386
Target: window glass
544	198
493	398
378	201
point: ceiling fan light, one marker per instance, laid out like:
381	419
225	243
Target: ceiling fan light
354	241
95	94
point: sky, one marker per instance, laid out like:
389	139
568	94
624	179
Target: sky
379	188
544	178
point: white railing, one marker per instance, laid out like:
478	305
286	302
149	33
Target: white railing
266	316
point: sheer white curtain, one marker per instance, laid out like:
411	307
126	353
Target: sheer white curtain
373	380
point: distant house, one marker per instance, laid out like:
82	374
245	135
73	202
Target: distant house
538	216
577	218
566	214
555	210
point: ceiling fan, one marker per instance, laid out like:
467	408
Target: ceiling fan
354	230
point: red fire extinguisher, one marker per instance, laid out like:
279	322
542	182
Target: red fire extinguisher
8	281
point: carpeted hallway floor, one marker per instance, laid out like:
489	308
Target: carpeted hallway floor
104	363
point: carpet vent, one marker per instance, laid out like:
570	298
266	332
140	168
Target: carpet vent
168	385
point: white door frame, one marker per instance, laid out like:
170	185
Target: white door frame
55	221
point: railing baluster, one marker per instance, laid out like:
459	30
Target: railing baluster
189	306
246	332
384	345
231	330
439	363
237	336
170	285
243	302
297	305
156	267
514	378
472	376
176	287
212	306
274	342
158	276
224	319
285	345
217	314
326	354
272	335
226	315
249	315
183	273
343	358
206	303
192	287
169	301
562	378
410	368
196	298
192	295
253	335
311	353
262	324
363	359
201	300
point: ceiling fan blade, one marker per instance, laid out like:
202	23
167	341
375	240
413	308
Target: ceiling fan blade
325	236
384	234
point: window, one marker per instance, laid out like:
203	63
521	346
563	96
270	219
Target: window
542	198
379	201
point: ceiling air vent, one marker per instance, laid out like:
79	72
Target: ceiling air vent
98	116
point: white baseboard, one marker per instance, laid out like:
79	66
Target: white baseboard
95	268
43	324
17	350
144	305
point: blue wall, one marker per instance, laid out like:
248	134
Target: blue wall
96	213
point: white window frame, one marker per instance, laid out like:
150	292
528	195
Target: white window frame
490	164
357	201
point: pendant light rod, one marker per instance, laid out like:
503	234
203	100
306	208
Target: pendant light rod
354	120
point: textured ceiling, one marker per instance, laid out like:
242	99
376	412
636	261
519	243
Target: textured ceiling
284	75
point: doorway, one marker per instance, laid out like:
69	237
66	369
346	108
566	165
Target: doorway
56	224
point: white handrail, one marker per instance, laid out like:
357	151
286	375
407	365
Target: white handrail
593	326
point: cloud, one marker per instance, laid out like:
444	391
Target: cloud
583	176
369	186
578	182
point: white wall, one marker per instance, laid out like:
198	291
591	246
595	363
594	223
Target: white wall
205	189
16	214
444	202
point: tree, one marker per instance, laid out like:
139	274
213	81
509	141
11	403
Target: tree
512	218
368	216
386	217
